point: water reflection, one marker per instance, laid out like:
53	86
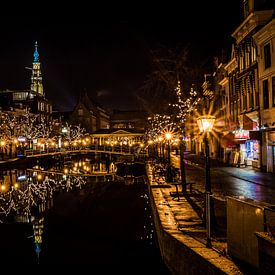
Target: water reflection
38	229
26	195
26	198
23	191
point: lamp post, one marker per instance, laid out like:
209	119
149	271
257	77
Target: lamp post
168	136
182	165
206	124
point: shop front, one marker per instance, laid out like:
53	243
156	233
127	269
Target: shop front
241	137
271	151
252	148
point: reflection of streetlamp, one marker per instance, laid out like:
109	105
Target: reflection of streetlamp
168	136
206	124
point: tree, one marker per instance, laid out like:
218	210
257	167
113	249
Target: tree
170	66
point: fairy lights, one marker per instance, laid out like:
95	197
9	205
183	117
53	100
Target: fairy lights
159	125
21	198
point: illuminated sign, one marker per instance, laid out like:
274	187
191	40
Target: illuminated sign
21	139
22	177
241	134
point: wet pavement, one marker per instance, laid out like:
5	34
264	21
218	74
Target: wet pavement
181	219
229	180
187	209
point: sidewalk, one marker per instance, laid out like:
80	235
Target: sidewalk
183	222
244	173
186	209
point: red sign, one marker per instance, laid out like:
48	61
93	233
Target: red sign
241	134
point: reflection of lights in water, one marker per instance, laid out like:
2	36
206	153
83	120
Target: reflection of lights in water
36	186
38	227
21	198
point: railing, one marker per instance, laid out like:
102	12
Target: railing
123	150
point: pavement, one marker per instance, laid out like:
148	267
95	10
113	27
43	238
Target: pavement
186	209
180	218
245	173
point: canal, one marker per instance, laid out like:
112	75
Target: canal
103	224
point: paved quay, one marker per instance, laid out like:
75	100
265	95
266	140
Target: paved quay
245	173
181	234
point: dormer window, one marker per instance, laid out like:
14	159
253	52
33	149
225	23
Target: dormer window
80	112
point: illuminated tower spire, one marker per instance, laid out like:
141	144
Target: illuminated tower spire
36	79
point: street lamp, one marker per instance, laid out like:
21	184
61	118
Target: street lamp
168	136
205	124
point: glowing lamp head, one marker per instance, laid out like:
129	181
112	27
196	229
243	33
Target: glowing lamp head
168	136
206	123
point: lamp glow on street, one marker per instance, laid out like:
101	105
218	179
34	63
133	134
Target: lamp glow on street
206	124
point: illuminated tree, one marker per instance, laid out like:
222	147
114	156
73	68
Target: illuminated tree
170	66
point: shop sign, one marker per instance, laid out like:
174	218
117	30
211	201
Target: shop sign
241	134
21	139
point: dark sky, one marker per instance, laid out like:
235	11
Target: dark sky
107	53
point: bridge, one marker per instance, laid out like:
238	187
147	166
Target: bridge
118	150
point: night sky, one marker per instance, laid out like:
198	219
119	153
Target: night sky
107	54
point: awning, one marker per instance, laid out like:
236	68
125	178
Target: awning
228	140
247	123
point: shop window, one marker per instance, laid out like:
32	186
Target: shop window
252	149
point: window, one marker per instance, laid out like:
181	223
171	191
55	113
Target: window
245	9
80	112
267	56
20	96
250	90
247	59
265	94
273	91
253	54
241	64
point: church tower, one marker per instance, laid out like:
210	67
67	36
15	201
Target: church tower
36	79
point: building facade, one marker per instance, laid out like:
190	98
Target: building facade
131	119
242	134
89	114
265	42
32	99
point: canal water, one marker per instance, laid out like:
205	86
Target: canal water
104	224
